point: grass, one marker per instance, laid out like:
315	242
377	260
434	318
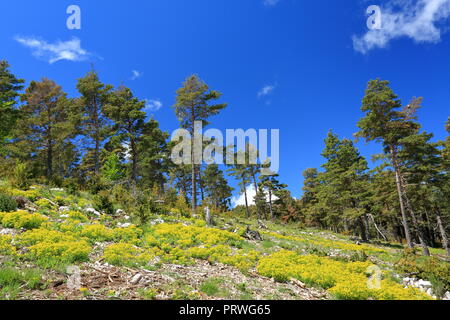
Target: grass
212	287
12	279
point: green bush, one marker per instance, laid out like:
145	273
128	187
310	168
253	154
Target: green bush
19	177
7	203
103	203
428	268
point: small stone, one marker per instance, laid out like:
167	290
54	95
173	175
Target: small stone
430	292
64	216
136	278
424	284
93	211
124	225
63	209
446	296
120	212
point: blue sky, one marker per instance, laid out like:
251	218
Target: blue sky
298	66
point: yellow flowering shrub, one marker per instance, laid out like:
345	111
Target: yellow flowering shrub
43	235
344	280
22	219
97	233
6	248
31	194
77	216
44	204
188	236
52	245
68	252
130	234
126	254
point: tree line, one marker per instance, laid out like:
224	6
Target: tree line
104	139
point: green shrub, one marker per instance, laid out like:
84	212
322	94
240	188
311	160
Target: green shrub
103	203
19	177
7	203
428	268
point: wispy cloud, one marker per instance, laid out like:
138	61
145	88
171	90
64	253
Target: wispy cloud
153	104
265	91
136	74
70	50
270	3
415	19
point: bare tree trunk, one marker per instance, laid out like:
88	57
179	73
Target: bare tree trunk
443	235
194	188
270	205
362	228
246	201
400	196
376	227
418	228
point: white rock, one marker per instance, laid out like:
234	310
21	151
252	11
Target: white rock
64	216
446	296
136	278
124	225
120	212
63	209
157	221
56	189
93	211
430	292
425	284
127	217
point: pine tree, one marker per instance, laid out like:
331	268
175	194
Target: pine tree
10	87
129	121
46	126
216	187
384	122
272	185
95	126
192	105
154	155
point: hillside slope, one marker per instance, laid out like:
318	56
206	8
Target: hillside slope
58	247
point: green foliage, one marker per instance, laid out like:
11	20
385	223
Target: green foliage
7	203
103	202
429	268
19	177
112	169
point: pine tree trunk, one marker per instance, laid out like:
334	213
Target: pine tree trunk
443	234
399	191
270	205
49	160
134	161
194	188
246	201
418	227
362	229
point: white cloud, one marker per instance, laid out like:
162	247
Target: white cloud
240	200
265	91
52	52
153	104
414	19
270	3
136	74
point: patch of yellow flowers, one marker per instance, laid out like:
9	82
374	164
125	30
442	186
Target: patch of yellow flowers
51	245
343	280
6	248
22	219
